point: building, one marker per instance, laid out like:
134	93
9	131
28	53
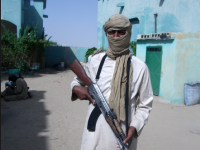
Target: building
17	14
168	40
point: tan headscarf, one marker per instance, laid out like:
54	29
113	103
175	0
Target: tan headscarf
119	49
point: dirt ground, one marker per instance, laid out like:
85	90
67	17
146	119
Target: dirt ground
50	121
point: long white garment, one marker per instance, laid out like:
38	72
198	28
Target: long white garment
140	103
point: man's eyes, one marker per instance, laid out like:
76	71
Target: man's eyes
122	32
111	32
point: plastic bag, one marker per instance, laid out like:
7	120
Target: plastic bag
8	83
192	93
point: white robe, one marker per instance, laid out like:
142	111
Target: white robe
140	103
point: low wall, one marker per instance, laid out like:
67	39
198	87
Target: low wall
56	54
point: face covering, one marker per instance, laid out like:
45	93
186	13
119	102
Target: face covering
118	45
119	50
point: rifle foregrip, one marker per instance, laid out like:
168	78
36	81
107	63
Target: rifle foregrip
109	121
119	129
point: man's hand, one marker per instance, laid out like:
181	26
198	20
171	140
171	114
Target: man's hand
131	133
82	93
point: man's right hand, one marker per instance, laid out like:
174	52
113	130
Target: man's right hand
82	93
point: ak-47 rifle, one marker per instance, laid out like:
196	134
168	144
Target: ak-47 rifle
100	102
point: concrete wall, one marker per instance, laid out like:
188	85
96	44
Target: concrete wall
34	14
11	11
56	54
187	62
20	12
173	16
180	63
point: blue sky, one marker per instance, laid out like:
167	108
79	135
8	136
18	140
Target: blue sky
72	22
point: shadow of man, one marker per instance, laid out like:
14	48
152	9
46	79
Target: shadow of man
22	122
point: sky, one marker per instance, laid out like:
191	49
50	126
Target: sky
72	22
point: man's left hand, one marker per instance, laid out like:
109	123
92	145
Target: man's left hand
131	133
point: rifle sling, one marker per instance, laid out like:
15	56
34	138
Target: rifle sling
100	67
127	94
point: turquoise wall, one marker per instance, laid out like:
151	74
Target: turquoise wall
173	16
180	63
34	14
20	12
11	11
180	59
56	54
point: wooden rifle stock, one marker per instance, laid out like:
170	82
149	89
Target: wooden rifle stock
77	68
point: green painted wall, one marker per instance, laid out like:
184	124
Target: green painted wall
180	63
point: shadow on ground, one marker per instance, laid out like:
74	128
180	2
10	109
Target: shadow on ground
39	73
23	123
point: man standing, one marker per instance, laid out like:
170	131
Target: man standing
112	82
18	92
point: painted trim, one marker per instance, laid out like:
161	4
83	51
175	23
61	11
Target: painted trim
120	4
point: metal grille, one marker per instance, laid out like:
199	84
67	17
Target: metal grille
153	49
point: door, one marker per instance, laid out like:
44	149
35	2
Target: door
154	61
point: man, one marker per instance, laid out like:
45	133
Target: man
112	83
15	93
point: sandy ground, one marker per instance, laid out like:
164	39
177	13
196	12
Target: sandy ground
50	121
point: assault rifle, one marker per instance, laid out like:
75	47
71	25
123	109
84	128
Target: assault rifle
100	102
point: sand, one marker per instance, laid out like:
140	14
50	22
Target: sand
50	121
